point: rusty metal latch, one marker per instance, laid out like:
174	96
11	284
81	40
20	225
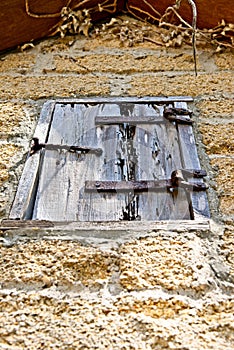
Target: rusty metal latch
37	146
179	115
176	181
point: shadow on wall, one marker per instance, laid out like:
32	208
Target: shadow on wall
27	20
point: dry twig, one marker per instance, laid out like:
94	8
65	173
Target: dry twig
74	20
221	37
175	9
194	24
46	15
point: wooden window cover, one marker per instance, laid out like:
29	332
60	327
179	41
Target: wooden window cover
134	142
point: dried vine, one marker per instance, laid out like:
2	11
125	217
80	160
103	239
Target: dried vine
47	15
73	20
175	9
220	36
77	20
100	7
194	24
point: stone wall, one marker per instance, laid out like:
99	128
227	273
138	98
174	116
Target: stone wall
165	289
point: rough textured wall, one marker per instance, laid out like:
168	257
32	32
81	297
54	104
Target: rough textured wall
164	289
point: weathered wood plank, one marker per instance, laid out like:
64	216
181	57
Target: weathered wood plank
177	203
135	100
130	147
42	128
106	207
119	230
159	156
131	153
108	120
148	168
117	163
63	173
14	224
24	200
180	198
199	201
152	145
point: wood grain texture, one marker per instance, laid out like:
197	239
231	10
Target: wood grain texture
29	229
55	182
22	28
126	99
129	153
61	193
199	201
24	200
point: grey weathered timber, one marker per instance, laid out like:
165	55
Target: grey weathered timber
62	172
109	206
199	201
99	232
108	120
54	184
63	175
176	201
103	234
60	194
11	224
136	100
24	200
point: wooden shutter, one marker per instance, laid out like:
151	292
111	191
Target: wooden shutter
111	160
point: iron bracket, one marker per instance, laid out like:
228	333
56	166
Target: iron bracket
179	115
37	146
176	181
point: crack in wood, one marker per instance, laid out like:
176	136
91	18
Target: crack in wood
130	212
128	162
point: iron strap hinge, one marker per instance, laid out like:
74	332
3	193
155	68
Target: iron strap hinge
176	181
179	115
37	146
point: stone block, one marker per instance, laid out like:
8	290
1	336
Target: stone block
216	108
169	263
122	64
17	63
219	138
35	87
227	246
9	154
225	181
60	263
225	60
16	119
186	84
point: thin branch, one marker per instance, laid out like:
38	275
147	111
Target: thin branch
48	15
194	25
174	9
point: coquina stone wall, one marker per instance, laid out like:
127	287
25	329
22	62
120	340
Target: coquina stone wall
169	288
